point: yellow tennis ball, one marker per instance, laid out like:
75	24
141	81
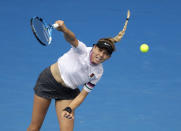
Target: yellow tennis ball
144	48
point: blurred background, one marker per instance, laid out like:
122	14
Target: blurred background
138	91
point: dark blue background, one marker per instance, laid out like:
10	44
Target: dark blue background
138	92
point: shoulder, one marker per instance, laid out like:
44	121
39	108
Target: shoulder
81	47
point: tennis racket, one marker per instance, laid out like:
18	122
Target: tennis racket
42	31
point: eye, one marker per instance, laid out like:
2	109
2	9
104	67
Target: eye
100	49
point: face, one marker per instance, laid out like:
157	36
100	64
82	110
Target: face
99	55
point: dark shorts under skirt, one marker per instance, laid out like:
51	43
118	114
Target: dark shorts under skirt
47	87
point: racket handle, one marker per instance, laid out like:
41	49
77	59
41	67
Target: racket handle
55	26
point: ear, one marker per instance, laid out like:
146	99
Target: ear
94	46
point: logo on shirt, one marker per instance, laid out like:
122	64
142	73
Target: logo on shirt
92	76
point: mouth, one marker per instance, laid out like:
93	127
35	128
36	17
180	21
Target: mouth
98	59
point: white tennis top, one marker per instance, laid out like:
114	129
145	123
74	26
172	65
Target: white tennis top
77	70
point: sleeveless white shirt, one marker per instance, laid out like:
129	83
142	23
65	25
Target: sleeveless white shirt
76	69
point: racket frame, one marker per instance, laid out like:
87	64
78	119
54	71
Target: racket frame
49	28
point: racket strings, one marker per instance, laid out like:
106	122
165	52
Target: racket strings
42	31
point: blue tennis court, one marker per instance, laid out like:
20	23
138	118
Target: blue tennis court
138	91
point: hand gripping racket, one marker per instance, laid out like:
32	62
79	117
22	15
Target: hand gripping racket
42	31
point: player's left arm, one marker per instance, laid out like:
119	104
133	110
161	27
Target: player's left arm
68	34
79	99
74	104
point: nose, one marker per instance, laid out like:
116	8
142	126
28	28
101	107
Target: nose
101	53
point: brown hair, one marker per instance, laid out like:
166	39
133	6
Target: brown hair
120	35
112	40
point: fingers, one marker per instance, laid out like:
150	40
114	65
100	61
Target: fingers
68	115
59	22
61	25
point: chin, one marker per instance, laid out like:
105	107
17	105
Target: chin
98	62
95	62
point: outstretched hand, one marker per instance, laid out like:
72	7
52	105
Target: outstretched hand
61	25
67	115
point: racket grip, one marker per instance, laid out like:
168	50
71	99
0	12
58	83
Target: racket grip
55	26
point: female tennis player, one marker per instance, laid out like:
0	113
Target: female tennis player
81	65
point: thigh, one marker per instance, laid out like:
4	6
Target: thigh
40	107
65	124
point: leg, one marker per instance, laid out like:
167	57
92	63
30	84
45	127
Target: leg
40	107
65	124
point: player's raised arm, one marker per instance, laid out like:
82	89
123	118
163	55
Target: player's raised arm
68	34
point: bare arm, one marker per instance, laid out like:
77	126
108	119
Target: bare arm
68	34
78	100
75	103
